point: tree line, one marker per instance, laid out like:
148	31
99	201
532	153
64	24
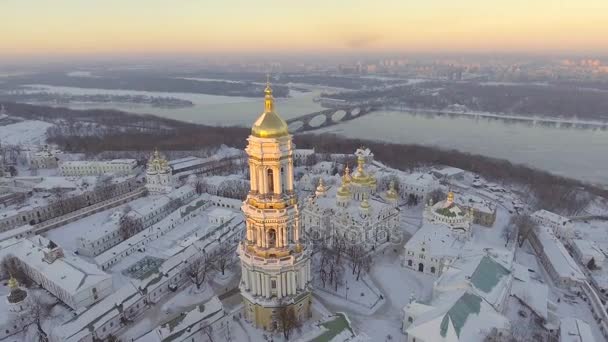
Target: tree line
547	191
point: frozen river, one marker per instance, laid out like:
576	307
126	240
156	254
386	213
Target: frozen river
573	152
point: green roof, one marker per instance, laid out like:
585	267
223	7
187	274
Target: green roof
334	327
466	305
487	274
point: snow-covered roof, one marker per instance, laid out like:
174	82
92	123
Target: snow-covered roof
182	163
448	171
574	330
476	203
418	179
533	294
97	314
70	273
550	216
588	249
457	316
558	256
480	274
200	316
437	240
221	212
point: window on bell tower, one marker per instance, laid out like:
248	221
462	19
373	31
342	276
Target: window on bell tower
270	181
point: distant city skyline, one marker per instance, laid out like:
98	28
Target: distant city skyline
31	28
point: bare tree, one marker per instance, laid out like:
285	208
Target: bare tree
200	186
38	310
436	195
129	226
288	320
223	256
524	225
360	260
199	269
509	232
208	330
10	266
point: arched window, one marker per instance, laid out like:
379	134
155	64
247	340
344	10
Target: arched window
410	319
409	263
272	238
270	180
433	269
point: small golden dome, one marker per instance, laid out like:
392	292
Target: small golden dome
392	193
365	203
269	124
344	191
12	283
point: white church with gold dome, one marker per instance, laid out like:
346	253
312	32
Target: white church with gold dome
275	264
159	177
354	209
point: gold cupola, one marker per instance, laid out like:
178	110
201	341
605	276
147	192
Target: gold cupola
12	283
269	124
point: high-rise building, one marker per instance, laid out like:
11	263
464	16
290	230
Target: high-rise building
276	277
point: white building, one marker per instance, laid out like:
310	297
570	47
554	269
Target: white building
586	250
557	261
115	311
72	280
39	208
353	210
458	218
159	177
144	212
43	159
481	275
445	231
220	216
194	325
561	226
81	168
455	316
431	249
574	330
417	184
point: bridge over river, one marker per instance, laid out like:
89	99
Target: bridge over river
330	117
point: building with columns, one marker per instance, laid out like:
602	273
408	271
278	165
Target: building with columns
275	265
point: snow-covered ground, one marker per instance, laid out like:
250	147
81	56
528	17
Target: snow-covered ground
29	132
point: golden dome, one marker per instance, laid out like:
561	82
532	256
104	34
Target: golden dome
12	283
269	124
344	191
365	203
360	176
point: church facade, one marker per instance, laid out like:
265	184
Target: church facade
354	210
275	264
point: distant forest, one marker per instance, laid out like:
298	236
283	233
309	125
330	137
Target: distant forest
145	82
565	99
548	191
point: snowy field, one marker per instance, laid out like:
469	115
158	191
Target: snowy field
29	132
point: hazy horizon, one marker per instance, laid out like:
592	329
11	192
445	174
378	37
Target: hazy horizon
79	30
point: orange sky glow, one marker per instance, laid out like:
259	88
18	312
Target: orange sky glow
77	27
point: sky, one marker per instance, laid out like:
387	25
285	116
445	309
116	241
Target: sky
115	27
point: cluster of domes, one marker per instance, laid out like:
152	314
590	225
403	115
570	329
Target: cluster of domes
158	163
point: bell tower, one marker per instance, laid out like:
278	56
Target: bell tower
275	264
